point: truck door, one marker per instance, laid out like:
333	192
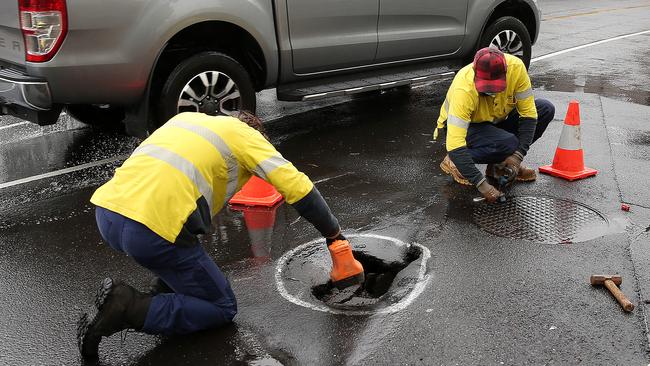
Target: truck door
419	28
332	34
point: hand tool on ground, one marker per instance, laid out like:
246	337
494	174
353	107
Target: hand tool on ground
612	282
505	182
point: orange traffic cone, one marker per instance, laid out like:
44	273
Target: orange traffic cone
569	158
256	192
259	222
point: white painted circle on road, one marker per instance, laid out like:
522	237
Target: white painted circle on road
422	279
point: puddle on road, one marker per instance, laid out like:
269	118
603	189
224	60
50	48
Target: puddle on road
395	274
604	85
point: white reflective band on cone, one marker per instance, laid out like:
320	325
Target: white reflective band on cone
570	138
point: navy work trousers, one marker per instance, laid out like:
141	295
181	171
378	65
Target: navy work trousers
202	296
491	143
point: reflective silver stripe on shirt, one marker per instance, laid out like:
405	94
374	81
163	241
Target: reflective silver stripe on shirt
183	165
570	138
458	122
524	94
446	105
231	163
264	168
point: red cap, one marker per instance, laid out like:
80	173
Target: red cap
490	70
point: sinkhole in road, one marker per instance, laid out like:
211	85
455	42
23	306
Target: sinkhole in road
379	276
395	274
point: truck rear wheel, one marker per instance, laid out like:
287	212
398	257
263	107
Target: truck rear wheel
509	35
210	82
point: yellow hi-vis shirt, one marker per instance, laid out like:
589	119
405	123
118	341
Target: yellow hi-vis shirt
464	105
195	156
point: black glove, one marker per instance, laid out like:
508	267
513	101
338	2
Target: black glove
330	241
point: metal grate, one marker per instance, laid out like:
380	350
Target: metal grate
541	219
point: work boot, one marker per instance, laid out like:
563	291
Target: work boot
158	286
346	271
526	174
449	168
118	306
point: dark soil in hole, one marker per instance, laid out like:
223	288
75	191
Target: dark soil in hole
379	276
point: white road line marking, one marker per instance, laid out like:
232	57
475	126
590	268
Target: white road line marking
330	178
594	12
557	53
14	125
423	279
62	171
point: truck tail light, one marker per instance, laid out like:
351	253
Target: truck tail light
44	24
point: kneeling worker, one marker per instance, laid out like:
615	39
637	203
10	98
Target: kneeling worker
491	118
163	196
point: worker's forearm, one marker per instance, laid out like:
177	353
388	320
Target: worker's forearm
526	133
463	161
315	210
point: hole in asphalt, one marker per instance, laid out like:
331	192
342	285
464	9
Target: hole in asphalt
395	274
379	276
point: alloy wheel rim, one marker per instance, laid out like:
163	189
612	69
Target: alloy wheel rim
210	92
508	41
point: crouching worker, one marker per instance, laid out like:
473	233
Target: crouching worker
165	194
491	118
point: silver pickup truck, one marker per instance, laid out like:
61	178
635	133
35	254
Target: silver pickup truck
141	61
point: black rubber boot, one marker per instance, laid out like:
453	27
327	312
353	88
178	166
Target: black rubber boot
158	286
118	306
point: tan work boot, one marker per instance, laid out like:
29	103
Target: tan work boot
449	168
526	174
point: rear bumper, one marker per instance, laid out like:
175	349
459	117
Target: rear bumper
24	90
26	97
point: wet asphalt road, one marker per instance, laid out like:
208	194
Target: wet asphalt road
484	299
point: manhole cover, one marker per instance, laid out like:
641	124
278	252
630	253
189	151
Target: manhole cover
395	276
541	219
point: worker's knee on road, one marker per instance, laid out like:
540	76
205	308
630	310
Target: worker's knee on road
230	312
545	111
227	308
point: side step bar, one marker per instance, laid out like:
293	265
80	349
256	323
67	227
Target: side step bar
365	82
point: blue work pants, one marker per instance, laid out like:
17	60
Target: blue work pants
202	296
491	143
